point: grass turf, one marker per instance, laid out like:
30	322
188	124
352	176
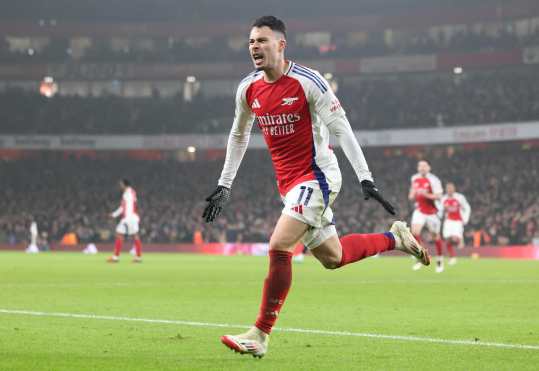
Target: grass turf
478	300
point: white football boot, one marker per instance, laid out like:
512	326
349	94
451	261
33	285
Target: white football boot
254	342
406	242
452	261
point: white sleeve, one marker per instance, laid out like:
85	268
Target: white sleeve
436	185
466	209
330	112
340	127
116	213
238	139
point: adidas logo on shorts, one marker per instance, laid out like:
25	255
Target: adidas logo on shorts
298	209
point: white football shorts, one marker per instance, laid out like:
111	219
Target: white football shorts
128	226
453	228
431	221
310	203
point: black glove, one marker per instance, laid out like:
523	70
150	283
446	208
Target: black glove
370	190
216	201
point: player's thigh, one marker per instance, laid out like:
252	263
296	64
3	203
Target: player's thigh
418	221
433	224
287	233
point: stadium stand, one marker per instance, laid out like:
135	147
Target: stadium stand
382	103
74	193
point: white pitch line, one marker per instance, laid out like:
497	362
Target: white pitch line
296	330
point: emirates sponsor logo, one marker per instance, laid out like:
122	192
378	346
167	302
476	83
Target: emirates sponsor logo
278	125
282	119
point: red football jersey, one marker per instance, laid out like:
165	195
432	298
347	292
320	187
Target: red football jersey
456	207
426	184
290	113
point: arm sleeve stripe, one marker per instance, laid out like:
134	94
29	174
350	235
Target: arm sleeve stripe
321	87
311	73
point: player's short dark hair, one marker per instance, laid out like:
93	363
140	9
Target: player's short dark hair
125	182
274	23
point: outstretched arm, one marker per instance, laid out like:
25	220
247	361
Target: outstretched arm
116	213
329	109
340	127
238	140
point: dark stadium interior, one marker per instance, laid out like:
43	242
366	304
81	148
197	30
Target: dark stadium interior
397	65
75	192
373	104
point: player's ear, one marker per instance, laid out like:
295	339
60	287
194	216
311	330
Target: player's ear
282	44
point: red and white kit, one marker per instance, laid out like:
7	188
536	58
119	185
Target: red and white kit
129	224
426	210
296	115
457	212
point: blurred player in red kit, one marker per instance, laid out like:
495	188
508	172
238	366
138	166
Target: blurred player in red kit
456	211
296	111
426	191
129	223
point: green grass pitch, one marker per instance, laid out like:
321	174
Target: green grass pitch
480	301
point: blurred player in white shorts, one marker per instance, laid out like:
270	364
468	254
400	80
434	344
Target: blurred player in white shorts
456	211
129	224
32	248
426	191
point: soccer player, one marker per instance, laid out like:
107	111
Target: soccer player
129	224
296	111
456	210
33	248
426	190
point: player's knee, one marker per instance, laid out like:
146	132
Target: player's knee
330	262
279	245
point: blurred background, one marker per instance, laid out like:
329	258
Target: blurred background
109	89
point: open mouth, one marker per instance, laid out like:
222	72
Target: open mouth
258	58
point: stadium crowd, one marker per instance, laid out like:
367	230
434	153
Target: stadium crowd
69	194
181	51
382	103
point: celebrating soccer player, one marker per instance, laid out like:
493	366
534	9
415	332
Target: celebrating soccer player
426	190
457	212
129	224
296	111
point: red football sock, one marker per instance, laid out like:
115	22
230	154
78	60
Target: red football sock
359	246
118	245
450	249
138	247
276	288
438	244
